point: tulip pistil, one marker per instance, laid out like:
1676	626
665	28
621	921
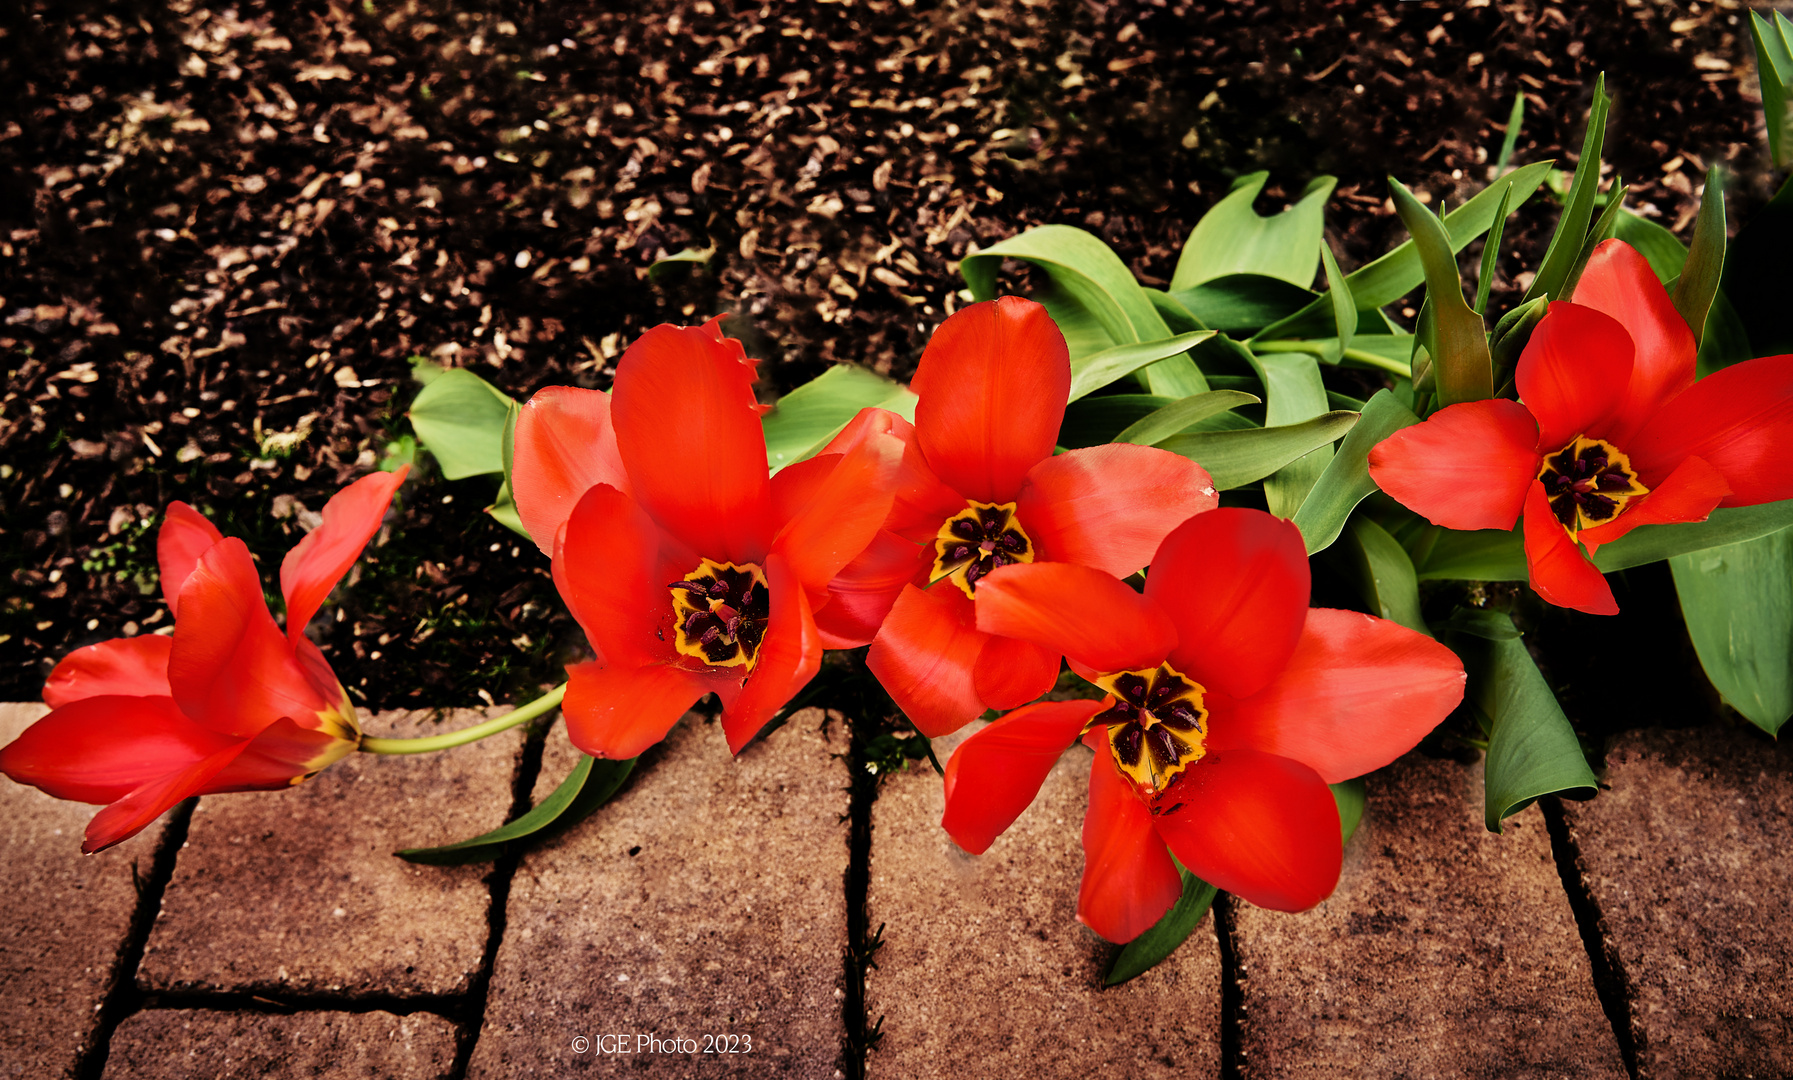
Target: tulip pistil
1588	483
1156	725
977	540
722	610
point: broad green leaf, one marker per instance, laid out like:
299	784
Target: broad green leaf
1092	373
1532	750
1515	120
1293	393
801	422
1242	301
1162	423
1384	574
1705	258
1484	281
1465	371
1346	481
1344	305
504	511
1738	603
1578	211
1492	555
459	417
688	259
1148	949
1179	318
1773	35
1236	458
1091	421
1655	243
1727	339
591	783
1399	272
1092	288
1232	239
1351	796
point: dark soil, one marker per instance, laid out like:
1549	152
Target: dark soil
219	223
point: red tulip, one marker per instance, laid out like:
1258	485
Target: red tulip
981	488
691	571
227	703
1231	706
1611	432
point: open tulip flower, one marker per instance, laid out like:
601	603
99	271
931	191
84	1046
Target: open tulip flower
1231	705
1611	432
229	702
689	568
982	489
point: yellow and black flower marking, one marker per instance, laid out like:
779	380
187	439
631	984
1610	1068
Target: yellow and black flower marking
722	610
977	540
1156	726
1588	483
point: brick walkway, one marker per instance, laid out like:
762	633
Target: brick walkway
274	935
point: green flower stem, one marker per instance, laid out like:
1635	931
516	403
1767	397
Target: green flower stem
430	743
1356	356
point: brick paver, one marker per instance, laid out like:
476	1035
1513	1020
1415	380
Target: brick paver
1689	858
1447	950
299	890
707	899
67	916
985	971
187	1044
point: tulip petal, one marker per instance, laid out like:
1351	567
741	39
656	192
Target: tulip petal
614	568
995	774
617	712
1739	419
1257	825
925	655
1618	282
790	655
1129	880
688	430
922	502
133	667
1078	611
1690	493
564	446
99	749
861	595
1011	672
844	509
1560	573
1466	467
231	669
317	562
282	755
127	816
1358	693
1235	582
185	536
1573	373
1111	506
993	383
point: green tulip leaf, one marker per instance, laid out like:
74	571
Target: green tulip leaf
1515	120
1465	370
1345	482
1344	306
1705	258
1241	301
1351	797
1093	372
1532	750
1578	211
1727	339
591	783
1384	575
1162	423
1738	603
1604	229
1148	949
1664	252
1093	298
1399	272
1293	393
1484	281
1232	238
1236	458
688	259
1773	34
800	423
459	418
